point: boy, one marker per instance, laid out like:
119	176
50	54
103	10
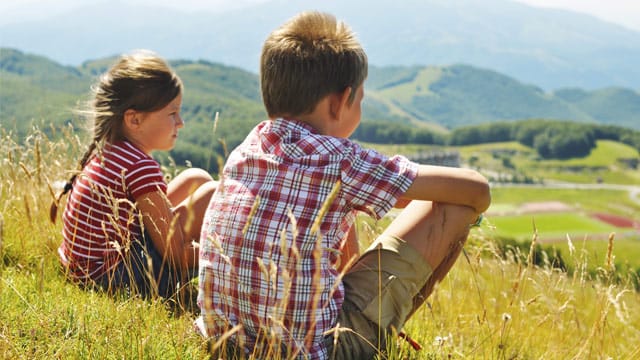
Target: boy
280	227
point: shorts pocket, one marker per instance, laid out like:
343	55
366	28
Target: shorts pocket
391	305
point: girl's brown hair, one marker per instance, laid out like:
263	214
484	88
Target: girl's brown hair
141	81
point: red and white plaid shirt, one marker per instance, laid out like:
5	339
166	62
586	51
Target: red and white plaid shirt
261	266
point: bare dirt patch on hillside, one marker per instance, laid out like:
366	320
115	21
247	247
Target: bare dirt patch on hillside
543	207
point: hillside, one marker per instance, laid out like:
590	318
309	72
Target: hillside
500	301
459	95
37	90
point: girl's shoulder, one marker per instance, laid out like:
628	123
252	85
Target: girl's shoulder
126	154
124	159
127	149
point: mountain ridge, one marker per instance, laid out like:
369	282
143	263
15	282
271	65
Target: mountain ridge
551	48
440	97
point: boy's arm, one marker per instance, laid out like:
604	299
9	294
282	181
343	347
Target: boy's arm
402	203
451	185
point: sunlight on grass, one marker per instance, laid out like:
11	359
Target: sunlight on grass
492	304
551	227
595	200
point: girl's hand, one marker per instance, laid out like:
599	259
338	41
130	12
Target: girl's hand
166	231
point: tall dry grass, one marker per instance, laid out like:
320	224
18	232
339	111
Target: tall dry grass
489	306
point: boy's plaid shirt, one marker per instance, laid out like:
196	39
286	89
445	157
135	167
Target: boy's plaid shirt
261	266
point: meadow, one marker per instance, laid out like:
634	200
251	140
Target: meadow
493	305
508	159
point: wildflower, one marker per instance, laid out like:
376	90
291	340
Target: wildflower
441	340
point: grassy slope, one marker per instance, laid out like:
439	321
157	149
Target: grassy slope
551	227
486	308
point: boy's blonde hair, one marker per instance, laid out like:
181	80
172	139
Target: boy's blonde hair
307	58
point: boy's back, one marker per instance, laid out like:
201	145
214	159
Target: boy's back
266	267
280	225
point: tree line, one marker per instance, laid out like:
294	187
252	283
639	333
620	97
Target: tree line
552	139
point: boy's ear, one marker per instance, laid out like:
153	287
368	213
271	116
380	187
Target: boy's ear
340	102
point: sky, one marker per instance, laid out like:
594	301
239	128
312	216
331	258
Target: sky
621	12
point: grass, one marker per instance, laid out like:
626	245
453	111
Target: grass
490	306
581	200
511	311
45	317
551	227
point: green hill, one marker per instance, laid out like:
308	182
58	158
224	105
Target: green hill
33	87
36	90
464	95
609	105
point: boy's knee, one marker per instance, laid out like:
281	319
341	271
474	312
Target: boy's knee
457	215
459	210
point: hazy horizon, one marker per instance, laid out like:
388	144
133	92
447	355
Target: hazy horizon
621	12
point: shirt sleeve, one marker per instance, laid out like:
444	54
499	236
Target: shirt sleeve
373	182
145	176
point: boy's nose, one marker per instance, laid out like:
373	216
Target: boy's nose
179	121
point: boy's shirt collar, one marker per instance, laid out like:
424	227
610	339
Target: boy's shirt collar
293	124
291	138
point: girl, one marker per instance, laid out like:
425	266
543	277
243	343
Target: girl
123	226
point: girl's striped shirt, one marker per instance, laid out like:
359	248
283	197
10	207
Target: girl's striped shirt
100	218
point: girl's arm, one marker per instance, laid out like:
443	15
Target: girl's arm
166	230
184	205
451	185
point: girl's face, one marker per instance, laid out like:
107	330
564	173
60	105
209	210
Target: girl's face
158	130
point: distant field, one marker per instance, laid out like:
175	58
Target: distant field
586	201
588	234
588	237
601	164
551	227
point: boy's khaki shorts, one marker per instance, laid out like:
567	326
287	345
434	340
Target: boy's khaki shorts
379	292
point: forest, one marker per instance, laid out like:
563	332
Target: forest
552	139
